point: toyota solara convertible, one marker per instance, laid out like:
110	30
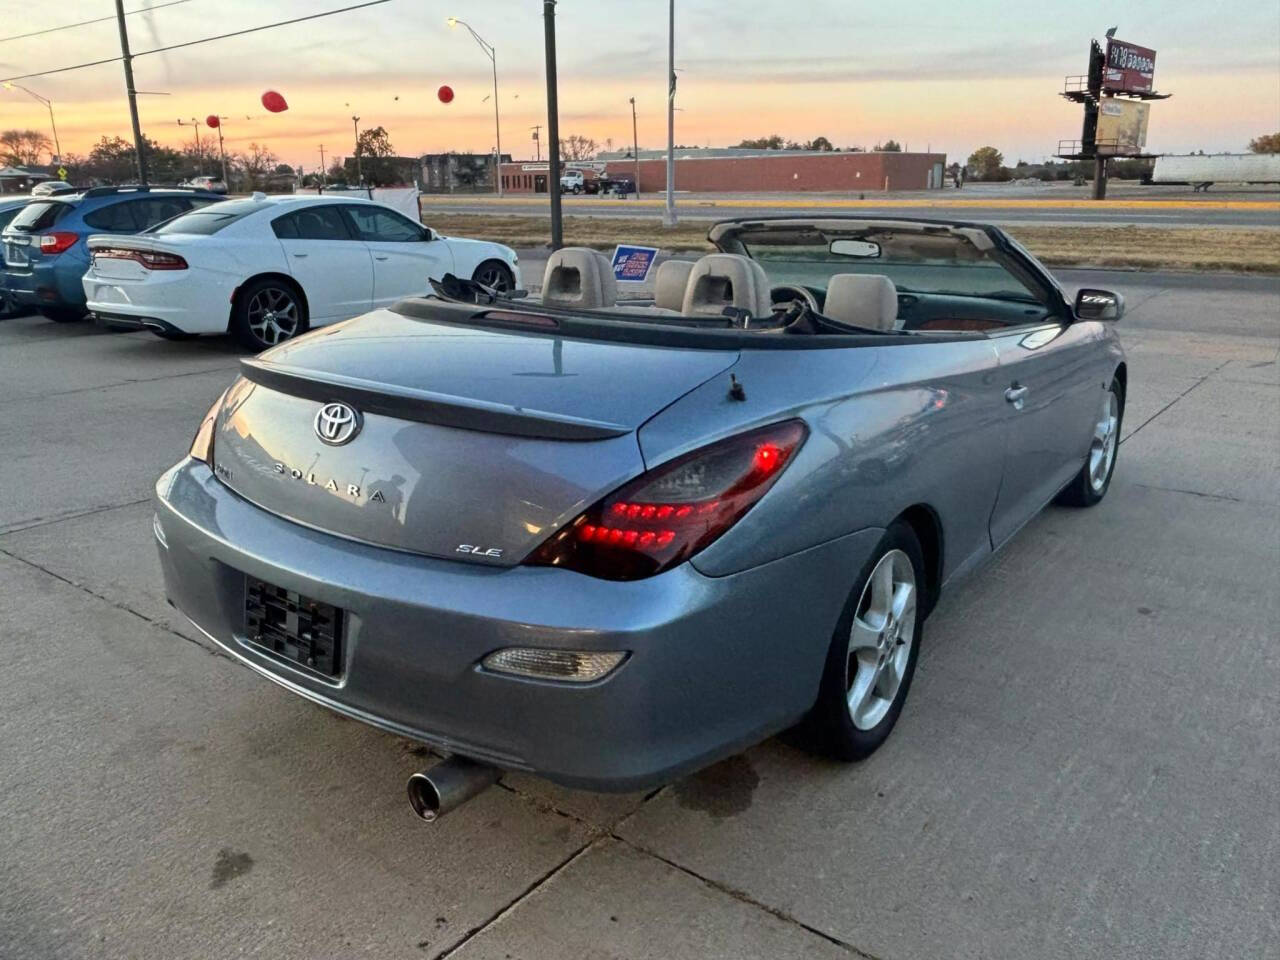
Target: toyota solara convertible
611	543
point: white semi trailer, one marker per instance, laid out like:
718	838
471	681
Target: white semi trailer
1202	170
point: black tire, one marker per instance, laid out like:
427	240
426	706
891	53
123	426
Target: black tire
577	190
64	314
831	722
496	275
1093	481
267	312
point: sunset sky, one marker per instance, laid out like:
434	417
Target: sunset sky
950	76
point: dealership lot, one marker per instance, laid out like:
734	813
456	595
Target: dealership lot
1087	766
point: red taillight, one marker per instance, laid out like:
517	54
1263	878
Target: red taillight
665	516
151	259
57	242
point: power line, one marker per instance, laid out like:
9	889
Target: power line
85	23
192	43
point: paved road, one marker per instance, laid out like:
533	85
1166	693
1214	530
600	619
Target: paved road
1087	766
1120	213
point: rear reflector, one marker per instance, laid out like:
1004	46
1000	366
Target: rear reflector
574	666
57	242
667	515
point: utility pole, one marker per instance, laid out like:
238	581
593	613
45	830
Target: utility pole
324	176
127	59
553	124
669	212
537	142
635	145
355	125
222	154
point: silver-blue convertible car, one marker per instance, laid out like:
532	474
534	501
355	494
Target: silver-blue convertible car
610	542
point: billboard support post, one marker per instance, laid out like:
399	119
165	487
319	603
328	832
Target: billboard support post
1099	178
1115	117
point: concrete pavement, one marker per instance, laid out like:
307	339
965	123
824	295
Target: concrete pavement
1087	765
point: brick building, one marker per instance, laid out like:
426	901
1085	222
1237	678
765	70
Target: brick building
773	171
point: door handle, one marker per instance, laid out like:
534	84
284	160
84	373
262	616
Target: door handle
299	255
383	257
1016	395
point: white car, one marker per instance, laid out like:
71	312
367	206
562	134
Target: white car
268	268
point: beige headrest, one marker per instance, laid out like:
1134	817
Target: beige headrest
670	283
721	280
863	299
579	277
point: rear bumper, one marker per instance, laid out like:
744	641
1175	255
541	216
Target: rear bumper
167	300
715	663
47	283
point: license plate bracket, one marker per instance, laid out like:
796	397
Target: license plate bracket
294	627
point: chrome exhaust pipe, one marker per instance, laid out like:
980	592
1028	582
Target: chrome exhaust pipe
447	785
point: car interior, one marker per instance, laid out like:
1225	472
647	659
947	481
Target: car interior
830	294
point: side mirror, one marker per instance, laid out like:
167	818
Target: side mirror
1102	305
429	234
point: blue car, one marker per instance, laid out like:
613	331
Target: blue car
45	254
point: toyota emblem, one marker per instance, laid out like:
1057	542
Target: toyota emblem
337	423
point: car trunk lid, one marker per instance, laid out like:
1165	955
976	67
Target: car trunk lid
472	443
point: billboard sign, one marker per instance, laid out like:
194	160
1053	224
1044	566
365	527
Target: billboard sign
631	264
1129	68
1122	126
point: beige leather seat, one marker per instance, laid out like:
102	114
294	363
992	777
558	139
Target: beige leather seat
864	300
579	277
670	283
721	280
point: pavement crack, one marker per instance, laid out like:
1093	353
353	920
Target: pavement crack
1207	496
1174	400
36	523
128	382
524	895
743	897
125	608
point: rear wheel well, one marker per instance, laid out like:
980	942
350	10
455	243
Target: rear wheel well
1122	375
924	522
282	278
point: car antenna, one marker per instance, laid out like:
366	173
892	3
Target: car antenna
736	391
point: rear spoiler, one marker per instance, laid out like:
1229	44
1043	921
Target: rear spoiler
425	406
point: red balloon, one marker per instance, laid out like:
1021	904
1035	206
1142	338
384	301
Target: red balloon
274	102
212	121
445	93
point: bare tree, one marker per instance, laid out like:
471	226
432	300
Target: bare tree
20	148
255	165
576	147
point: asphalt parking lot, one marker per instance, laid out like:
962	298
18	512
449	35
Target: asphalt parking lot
1088	765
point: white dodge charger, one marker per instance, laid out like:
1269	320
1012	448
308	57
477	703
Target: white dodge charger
268	268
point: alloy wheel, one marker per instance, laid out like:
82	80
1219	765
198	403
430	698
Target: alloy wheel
1102	451
494	277
273	315
881	639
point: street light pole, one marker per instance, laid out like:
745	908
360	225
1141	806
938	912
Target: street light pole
492	54
199	154
126	58
635	145
669	212
324	177
553	124
355	125
48	106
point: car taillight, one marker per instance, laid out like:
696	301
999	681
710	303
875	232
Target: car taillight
202	444
151	259
57	242
667	515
